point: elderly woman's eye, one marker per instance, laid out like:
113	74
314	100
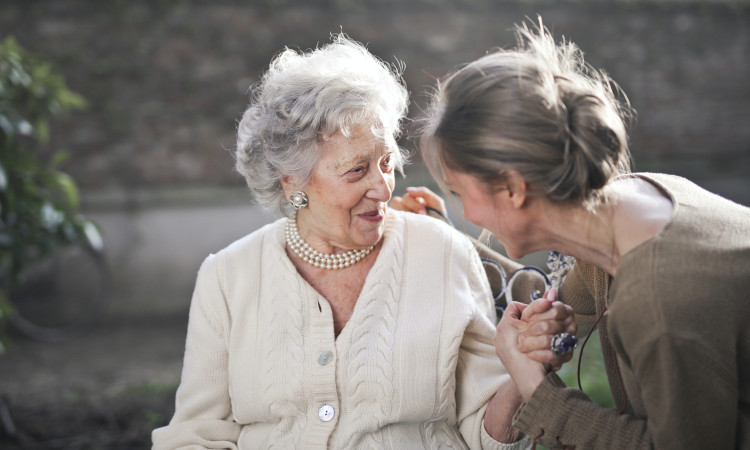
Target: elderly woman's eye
356	173
387	163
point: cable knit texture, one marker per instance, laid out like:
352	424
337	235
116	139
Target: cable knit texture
415	366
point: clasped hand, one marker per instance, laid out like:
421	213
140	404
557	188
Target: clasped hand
524	336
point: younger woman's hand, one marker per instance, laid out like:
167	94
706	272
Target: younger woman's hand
545	318
417	200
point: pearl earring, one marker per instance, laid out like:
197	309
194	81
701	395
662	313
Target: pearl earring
298	199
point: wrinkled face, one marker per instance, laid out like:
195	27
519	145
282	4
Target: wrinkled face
348	193
492	209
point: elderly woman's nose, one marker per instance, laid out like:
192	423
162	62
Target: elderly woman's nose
380	186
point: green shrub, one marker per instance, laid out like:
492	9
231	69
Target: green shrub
38	203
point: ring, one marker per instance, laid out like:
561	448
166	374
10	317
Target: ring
563	343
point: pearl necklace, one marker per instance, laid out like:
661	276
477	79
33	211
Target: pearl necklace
314	257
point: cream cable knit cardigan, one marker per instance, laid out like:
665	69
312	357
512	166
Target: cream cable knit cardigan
415	366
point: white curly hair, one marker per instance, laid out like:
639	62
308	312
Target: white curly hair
305	97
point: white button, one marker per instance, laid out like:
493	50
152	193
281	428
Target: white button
326	413
325	357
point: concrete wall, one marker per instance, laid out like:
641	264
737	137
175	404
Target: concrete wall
154	250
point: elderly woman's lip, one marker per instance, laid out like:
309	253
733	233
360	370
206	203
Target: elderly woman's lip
374	215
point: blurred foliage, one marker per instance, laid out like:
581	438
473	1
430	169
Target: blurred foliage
38	202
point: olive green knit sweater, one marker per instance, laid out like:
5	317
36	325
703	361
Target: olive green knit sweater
675	336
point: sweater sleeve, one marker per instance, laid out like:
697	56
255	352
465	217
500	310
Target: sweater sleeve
698	410
479	371
581	287
478	375
556	415
203	413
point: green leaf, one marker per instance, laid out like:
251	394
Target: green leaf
68	188
58	158
71	100
42	130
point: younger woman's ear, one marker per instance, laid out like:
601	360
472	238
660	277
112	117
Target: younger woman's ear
516	187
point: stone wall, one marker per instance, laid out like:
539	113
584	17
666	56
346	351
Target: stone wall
166	82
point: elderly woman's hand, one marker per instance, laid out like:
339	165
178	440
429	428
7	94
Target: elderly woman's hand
545	318
417	200
527	374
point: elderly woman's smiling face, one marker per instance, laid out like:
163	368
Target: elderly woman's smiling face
348	193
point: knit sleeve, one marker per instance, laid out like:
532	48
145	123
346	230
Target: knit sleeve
557	416
479	372
490	444
560	416
203	413
583	284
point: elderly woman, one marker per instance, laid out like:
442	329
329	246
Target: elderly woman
345	324
533	143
